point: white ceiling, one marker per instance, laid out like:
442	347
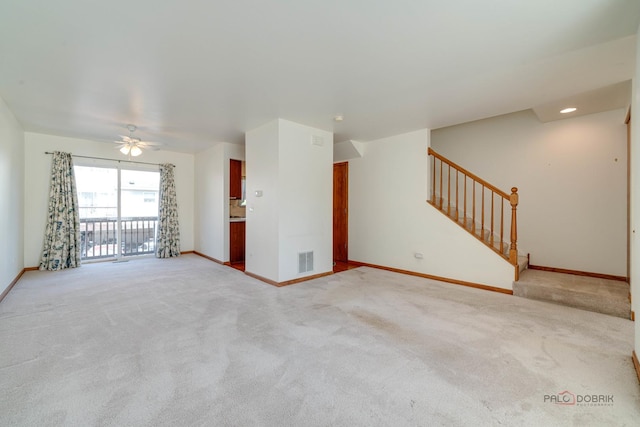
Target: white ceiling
607	98
193	73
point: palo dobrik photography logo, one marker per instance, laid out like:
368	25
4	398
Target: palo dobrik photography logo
566	398
562	398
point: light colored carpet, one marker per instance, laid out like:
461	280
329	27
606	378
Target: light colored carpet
188	342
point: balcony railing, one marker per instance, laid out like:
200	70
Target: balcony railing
99	237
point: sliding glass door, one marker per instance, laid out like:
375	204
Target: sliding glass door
118	211
98	207
139	212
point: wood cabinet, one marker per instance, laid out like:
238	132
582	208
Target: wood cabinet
235	179
236	243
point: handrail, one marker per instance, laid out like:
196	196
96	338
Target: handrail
487	233
469	174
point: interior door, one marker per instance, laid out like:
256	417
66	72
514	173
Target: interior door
340	211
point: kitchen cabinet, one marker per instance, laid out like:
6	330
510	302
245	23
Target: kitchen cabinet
235	179
236	243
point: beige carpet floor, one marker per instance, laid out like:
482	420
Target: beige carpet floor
187	342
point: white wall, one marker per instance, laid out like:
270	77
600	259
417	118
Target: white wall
390	220
295	212
37	176
571	176
209	201
306	199
262	151
635	199
11	197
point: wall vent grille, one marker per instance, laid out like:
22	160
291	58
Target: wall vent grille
305	262
317	140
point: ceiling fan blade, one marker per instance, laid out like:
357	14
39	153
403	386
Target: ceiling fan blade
152	147
144	144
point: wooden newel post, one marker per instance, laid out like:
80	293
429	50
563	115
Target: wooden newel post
513	250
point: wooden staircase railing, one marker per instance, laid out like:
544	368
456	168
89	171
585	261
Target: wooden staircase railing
483	205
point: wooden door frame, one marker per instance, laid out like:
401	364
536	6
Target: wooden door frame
346	213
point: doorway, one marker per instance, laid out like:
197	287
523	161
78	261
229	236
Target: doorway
340	213
118	211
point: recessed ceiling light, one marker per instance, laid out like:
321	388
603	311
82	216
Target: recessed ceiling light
568	110
338	118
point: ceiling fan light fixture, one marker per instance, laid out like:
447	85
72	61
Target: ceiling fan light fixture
133	146
135	151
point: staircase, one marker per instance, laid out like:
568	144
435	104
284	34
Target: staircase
479	207
489	214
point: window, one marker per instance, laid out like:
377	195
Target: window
149	197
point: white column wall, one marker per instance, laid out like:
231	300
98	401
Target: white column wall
305	205
390	220
38	173
262	221
11	197
294	213
635	199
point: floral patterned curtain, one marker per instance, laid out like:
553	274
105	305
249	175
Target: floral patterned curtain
61	247
168	241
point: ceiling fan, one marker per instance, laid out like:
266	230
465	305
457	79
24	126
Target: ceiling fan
131	145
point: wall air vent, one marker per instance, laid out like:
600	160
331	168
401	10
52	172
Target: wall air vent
305	262
317	140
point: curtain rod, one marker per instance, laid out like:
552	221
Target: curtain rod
113	160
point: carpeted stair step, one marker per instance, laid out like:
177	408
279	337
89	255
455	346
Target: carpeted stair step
587	293
523	263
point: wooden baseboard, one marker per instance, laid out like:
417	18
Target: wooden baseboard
288	282
438	278
262	279
14	281
208	257
187	252
578	273
636	363
633	316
